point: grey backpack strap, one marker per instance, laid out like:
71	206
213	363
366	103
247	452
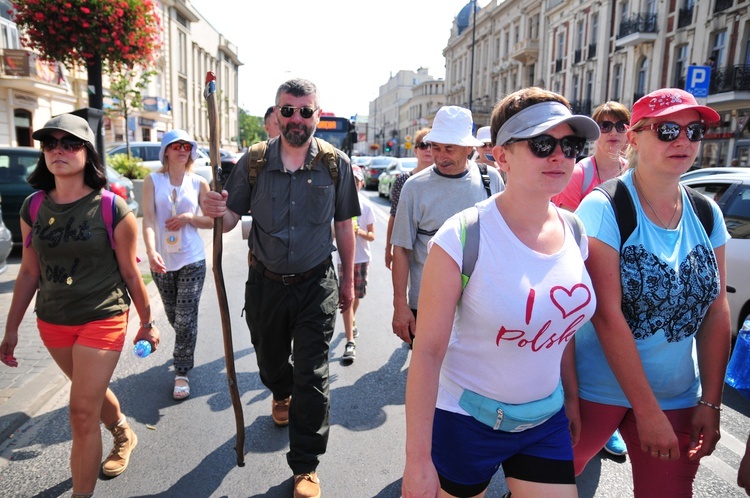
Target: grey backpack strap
573	222
469	242
588	167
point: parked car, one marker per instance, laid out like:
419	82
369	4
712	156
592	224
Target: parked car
731	192
148	152
6	242
386	179
373	170
362	161
17	163
695	173
228	160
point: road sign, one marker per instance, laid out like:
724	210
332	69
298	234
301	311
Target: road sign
698	79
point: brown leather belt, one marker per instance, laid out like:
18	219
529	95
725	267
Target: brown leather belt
291	278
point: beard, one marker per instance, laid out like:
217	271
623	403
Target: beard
297	134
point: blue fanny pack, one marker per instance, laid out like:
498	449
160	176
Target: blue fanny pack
508	417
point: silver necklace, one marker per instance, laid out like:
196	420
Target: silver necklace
676	205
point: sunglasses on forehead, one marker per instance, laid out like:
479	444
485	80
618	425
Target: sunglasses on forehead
620	126
304	112
544	145
68	144
669	132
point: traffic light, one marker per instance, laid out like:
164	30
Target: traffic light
389	146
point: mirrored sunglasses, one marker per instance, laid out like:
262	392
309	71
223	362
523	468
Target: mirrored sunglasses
544	145
620	126
305	112
68	144
669	132
186	146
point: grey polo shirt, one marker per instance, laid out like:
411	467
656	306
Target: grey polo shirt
292	212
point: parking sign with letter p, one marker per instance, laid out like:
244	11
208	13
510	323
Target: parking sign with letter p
698	80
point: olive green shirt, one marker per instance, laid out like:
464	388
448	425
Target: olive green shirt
79	279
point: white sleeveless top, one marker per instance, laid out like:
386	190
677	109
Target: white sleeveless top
187	196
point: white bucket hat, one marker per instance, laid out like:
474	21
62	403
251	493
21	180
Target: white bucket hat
484	135
177	136
453	126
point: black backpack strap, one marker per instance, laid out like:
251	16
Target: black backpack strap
702	208
470	242
485	178
622	204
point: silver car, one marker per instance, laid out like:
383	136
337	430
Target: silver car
6	242
731	191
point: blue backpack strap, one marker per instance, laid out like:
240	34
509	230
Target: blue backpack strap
622	204
36	201
469	220
108	213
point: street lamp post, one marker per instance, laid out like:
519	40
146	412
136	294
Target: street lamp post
473	41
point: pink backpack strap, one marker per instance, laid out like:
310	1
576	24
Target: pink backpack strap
108	213
36	201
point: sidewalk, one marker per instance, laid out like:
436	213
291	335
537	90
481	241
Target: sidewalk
26	388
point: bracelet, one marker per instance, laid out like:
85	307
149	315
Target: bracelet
710	405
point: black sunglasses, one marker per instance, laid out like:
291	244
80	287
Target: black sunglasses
305	112
606	126
424	145
544	145
668	131
68	144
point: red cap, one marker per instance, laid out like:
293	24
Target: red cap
668	101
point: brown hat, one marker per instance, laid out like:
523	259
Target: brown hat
69	123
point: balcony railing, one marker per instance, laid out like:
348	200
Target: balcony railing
581	107
638	23
558	65
592	50
685	18
577	56
722	5
730	79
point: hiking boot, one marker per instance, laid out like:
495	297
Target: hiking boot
119	457
280	411
307	485
350	352
616	446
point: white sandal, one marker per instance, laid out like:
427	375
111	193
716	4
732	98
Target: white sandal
181	392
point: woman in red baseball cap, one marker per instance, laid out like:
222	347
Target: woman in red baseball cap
651	362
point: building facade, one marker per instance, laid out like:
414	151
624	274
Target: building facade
32	90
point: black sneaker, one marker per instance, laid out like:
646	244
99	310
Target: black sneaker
349	351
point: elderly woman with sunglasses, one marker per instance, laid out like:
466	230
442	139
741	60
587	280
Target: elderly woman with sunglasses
608	160
652	360
485	389
171	219
85	283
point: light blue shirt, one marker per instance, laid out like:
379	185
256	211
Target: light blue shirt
669	279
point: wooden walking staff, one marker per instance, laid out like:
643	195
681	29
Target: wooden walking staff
209	93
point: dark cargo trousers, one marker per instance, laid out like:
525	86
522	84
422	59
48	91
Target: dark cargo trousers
302	316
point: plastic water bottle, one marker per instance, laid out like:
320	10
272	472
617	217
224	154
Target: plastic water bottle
738	370
142	348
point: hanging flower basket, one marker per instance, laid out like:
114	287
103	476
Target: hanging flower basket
123	33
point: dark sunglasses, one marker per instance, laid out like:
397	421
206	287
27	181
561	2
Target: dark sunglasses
424	145
305	112
606	126
544	145
181	146
668	131
68	144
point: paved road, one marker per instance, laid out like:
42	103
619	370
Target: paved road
189	451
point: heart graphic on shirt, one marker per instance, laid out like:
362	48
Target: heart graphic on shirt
570	301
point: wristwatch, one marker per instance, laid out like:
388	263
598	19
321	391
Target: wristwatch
149	325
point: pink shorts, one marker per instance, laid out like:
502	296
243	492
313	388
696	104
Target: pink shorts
107	334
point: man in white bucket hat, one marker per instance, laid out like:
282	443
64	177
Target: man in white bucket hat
428	199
